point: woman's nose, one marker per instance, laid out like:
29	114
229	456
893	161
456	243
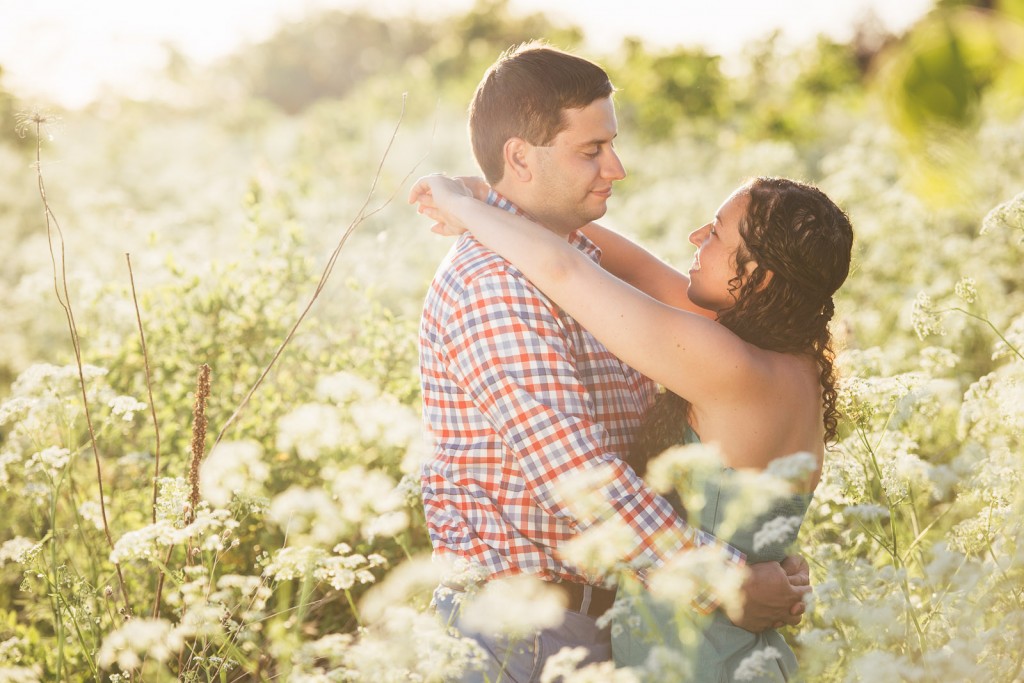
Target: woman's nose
698	235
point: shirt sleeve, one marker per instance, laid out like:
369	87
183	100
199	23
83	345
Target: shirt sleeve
509	351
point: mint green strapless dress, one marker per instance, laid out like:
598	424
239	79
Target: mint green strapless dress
721	646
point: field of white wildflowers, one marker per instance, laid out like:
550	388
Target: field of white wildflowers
162	524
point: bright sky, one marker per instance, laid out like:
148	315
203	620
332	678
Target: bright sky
67	50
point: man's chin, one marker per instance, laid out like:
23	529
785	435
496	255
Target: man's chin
597	212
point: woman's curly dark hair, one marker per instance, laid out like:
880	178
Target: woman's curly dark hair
801	244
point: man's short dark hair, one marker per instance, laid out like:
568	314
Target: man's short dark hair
523	95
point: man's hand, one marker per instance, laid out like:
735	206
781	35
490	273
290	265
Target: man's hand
773	594
797	570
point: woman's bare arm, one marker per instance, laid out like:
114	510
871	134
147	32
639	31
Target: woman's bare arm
695	357
627	260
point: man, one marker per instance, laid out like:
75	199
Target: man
519	398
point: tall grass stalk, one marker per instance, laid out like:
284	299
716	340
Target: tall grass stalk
149	383
36	120
361	216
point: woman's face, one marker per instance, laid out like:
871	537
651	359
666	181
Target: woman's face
714	264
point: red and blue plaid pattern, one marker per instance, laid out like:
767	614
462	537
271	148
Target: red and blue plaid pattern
517	396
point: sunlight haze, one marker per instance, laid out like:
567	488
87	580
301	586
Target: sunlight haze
70	51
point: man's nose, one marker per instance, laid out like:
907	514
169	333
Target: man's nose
612	167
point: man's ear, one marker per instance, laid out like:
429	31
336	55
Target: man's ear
517	159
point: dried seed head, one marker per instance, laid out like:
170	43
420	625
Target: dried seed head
198	436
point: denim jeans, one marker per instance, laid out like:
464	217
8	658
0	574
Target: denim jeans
521	660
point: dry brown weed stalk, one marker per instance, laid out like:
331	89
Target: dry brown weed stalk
198	439
37	121
149	384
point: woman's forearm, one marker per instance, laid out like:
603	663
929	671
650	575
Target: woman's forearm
663	342
630	262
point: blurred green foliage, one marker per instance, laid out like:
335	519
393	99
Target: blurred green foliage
962	60
658	90
307	105
338	55
8	110
326	57
229	199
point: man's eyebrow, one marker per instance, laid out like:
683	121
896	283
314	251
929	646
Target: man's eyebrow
599	141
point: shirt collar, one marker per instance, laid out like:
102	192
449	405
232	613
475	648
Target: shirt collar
576	237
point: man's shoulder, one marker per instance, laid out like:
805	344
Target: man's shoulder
474	278
470	264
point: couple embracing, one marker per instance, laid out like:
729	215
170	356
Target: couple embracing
543	337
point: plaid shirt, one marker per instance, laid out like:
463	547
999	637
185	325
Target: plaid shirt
519	397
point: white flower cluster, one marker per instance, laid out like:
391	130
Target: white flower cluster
44	397
208	532
44	408
902	468
19	674
748	494
684	469
564	667
992	405
515	606
412	583
404	645
311	430
967	289
1011	345
776	530
10	651
703	571
49	462
233	468
1007	216
341	568
139	639
925	319
345	388
89	511
210	611
368	500
756	664
125	407
360	502
19	550
353	416
244	596
602	549
344	569
172	500
794	468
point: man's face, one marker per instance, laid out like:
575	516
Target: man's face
572	177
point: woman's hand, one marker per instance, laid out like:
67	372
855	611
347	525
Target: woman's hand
477	185
437	197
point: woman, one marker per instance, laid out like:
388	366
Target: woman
758	380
